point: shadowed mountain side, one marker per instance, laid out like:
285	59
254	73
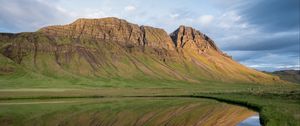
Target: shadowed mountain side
115	48
288	75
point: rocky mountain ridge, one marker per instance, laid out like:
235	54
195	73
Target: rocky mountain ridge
112	48
128	34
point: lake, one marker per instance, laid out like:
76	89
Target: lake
122	111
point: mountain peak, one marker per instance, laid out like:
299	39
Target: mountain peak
129	34
188	37
96	21
113	29
185	27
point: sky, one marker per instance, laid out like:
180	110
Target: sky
261	34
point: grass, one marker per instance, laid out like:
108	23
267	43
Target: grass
277	104
276	109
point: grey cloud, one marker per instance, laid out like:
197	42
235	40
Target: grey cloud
272	15
275	44
262	41
290	53
269	60
29	15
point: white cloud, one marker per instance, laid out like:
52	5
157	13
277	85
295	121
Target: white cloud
271	67
94	13
175	15
261	60
130	8
230	19
205	19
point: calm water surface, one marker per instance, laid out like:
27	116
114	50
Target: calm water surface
124	111
251	121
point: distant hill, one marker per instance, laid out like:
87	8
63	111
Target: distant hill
112	48
288	75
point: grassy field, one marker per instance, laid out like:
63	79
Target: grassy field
169	88
277	104
121	111
276	109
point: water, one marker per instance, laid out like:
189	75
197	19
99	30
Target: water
251	121
122	111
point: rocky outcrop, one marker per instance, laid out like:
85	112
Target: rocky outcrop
158	38
113	29
188	37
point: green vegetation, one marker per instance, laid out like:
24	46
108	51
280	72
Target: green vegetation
276	109
277	104
22	77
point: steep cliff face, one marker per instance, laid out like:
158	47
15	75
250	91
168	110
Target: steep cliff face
115	48
157	38
112	29
187	37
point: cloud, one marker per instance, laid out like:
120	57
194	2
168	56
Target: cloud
267	60
261	41
130	8
174	15
260	34
231	19
205	20
274	67
92	13
272	15
20	15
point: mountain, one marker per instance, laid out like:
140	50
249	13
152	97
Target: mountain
288	75
112	48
